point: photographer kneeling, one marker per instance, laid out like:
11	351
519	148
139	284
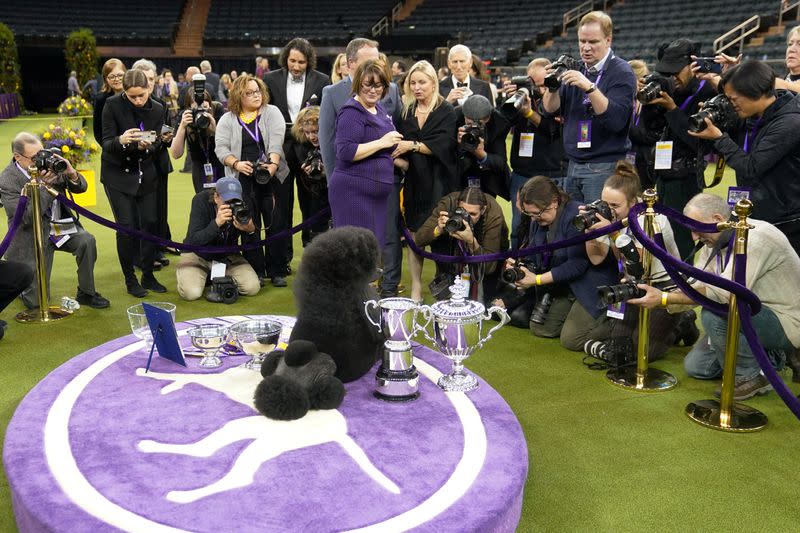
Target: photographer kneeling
620	193
197	125
565	281
482	133
466	222
219	217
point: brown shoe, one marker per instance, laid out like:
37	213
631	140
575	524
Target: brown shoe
745	389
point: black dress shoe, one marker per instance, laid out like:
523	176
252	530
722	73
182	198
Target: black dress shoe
151	283
95	300
135	289
279	281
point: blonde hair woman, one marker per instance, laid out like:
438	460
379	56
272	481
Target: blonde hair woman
427	153
340	68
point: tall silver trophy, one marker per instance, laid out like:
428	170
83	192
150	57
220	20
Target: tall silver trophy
457	333
397	379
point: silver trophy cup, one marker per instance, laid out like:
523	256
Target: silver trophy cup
458	332
397	379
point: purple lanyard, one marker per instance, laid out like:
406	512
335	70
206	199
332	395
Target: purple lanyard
720	265
596	83
752	132
255	136
141	126
637	114
688	101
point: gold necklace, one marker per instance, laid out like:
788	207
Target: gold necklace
247	118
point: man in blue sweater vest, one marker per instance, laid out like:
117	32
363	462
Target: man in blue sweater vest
596	103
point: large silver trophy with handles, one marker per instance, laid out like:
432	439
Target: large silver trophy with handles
457	332
397	379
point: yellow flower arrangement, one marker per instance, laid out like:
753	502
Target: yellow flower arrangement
72	142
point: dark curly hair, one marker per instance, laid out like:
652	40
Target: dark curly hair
302	46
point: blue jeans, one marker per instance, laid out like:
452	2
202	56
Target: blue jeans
705	359
584	181
517	181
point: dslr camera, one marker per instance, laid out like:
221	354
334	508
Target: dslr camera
634	269
564	63
47	160
225	289
654	84
473	133
200	118
241	213
524	86
314	160
260	172
514	274
457	220
719	110
582	221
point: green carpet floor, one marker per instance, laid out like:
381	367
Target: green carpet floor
600	458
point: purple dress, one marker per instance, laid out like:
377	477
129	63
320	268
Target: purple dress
358	190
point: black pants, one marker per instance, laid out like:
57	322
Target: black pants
269	215
162	207
138	212
313	198
14	278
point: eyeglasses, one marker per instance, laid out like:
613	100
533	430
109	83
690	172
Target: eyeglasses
537	214
250	94
114	76
373	87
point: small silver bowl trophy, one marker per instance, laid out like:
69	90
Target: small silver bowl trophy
457	333
255	338
397	379
208	339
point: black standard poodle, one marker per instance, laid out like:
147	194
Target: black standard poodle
332	284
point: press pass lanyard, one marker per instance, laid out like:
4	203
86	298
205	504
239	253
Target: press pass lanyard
141	128
753	132
255	135
688	101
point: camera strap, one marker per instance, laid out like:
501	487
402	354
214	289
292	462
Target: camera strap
751	131
688	101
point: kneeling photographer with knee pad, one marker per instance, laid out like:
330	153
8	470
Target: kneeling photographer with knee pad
621	192
219	217
565	301
466	222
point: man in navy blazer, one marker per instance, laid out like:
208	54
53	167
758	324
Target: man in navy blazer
459	86
291	88
333	97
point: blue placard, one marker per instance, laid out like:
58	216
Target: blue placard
165	338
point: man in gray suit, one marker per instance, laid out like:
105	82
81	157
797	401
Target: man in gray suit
333	97
60	230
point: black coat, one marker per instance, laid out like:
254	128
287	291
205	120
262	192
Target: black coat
276	85
120	166
475	85
494	173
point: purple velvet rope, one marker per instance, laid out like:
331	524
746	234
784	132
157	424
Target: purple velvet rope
672	263
189	247
522	252
15	223
683	220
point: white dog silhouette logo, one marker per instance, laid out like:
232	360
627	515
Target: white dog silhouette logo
270	437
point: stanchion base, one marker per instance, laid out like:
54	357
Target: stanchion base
33	316
653	380
743	418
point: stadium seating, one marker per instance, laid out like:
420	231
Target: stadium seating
140	22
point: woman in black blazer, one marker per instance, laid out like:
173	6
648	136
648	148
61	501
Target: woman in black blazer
129	174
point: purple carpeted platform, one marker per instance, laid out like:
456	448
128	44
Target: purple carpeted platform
99	446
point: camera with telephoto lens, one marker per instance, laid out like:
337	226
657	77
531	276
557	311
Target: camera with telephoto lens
314	161
200	117
260	172
564	63
614	294
473	133
616	351
654	84
622	292
542	307
524	87
514	273
225	288
240	211
47	160
589	216
719	110
457	220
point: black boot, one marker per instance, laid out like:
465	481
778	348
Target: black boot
150	282
686	329
134	288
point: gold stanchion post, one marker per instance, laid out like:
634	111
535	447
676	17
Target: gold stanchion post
44	313
642	378
725	415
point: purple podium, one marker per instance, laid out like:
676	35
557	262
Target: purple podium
99	445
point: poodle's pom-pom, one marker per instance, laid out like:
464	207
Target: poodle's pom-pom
280	399
271	362
299	352
327	393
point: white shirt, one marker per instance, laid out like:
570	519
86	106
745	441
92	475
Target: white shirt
294	95
467	90
600	64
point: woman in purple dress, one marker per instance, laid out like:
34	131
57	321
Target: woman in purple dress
363	178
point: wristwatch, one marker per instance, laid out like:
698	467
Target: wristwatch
416	146
591	89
